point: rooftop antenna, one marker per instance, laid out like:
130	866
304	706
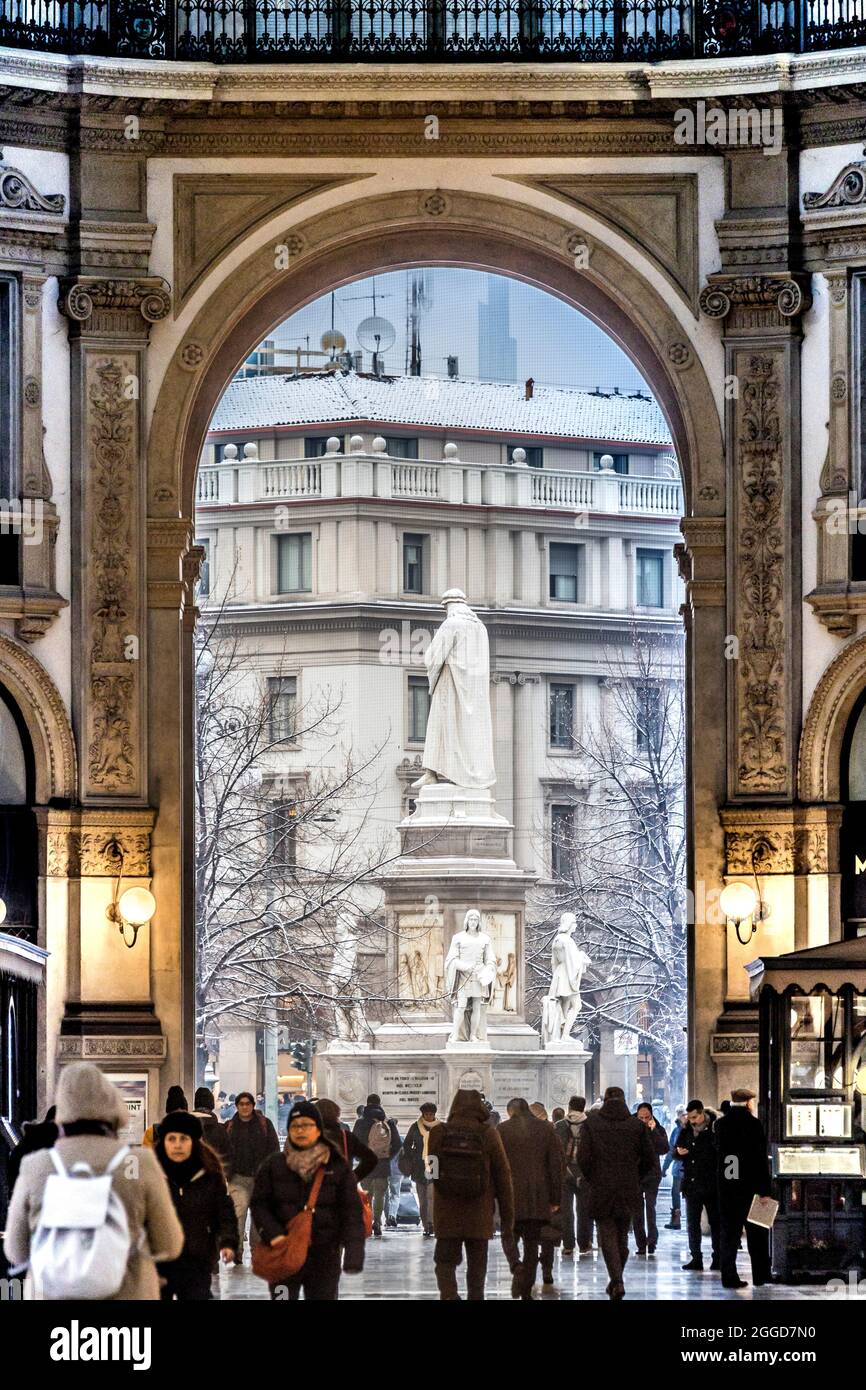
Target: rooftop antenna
417	303
375	333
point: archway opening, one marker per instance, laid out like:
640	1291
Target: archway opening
336	501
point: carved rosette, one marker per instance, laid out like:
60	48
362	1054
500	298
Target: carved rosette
112	603
763	753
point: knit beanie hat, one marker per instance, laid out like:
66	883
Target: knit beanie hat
180	1122
305	1109
83	1093
176	1100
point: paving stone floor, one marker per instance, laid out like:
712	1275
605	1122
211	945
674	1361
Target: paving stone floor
400	1267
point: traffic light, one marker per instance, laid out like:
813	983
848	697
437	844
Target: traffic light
302	1052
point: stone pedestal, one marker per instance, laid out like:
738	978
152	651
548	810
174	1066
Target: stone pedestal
457	854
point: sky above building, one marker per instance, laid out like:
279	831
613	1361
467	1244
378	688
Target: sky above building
499	329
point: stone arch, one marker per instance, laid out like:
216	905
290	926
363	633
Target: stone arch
826	721
449	227
44	714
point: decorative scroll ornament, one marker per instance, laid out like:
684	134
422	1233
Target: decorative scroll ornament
847	190
16	191
150	298
786	294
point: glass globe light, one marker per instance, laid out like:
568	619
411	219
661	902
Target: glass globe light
2	912
738	901
137	906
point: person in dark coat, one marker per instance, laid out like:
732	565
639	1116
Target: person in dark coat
212	1132
675	1165
645	1227
744	1173
460	1221
204	1208
535	1157
281	1190
36	1134
413	1162
574	1198
614	1155
700	1187
359	1158
368	1128
250	1138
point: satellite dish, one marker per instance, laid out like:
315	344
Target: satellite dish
376	334
332	341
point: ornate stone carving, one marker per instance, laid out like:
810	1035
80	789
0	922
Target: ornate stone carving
16	191
838	290
80	844
436	204
744	1044
125	306
680	355
762	752
44	713
149	1049
112	602
787	294
848	189
826	721
191	356
781	840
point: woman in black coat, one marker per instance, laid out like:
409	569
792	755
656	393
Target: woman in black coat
203	1205
281	1190
356	1154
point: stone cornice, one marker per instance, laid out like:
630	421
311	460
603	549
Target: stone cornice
783	73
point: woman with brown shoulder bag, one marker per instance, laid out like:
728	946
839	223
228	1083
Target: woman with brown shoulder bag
305	1205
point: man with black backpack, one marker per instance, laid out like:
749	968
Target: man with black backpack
569	1131
469	1172
380	1134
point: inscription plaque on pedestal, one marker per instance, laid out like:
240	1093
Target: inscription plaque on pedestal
401	1090
511	1082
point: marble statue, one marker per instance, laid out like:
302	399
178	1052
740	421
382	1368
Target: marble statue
459	743
470	971
348	1014
568	965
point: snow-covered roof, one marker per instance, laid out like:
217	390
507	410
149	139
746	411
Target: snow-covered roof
340	398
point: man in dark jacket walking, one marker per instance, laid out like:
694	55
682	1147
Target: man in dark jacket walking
646	1231
250	1139
744	1173
573	1196
470	1174
535	1157
615	1153
697	1148
380	1134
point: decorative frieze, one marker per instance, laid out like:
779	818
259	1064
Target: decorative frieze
84	844
105	1049
781	840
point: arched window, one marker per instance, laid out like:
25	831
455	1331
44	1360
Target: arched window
853	838
18	866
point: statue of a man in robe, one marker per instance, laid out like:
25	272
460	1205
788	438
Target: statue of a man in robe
348	1014
459	743
470	970
568	965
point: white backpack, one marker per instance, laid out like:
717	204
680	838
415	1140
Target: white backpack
81	1245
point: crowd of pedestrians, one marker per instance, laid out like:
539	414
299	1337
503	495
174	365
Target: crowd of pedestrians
201	1186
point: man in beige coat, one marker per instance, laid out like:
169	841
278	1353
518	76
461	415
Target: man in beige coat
90	1111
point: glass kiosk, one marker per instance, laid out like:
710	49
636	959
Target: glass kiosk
812	1010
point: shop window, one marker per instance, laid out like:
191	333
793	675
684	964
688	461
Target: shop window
852	843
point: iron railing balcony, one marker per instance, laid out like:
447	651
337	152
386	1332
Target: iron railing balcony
579	31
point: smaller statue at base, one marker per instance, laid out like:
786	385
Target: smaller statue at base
470	971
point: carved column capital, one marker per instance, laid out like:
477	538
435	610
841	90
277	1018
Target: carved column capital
79	843
756	301
781	840
97	306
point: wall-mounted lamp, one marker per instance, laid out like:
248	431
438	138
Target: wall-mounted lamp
860	1078
2	912
739	901
135	907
